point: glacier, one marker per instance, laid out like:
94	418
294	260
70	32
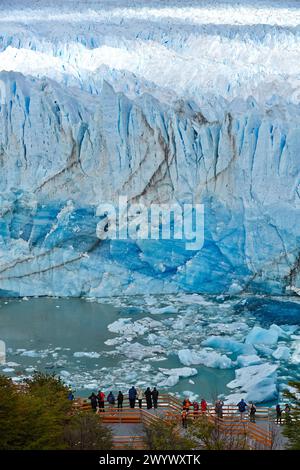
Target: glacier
188	102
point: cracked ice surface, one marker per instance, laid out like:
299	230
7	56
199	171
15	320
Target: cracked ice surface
162	101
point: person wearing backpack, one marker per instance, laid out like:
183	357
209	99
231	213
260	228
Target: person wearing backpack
242	406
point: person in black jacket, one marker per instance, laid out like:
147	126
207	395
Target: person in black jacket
94	401
155	397
148	395
120	399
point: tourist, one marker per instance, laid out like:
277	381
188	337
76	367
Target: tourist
186	404
120	399
242	406
101	400
155	397
278	414
287	413
94	401
219	408
196	408
111	399
148	396
132	396
140	396
71	396
184	415
203	405
252	413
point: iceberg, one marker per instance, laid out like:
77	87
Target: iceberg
174	375
257	383
250	360
282	353
260	335
92	355
205	357
228	344
138	351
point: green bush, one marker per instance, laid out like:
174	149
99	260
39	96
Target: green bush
292	426
38	416
166	436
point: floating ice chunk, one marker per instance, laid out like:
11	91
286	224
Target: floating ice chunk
295	359
12	364
33	353
160	310
169	381
175	374
8	369
282	353
93	355
205	357
161	340
139	351
228	344
126	326
256	383
264	350
231	328
114	341
91	386
251	360
181	372
260	335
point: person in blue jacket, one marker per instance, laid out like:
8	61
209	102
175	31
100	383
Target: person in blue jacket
111	399
242	406
132	396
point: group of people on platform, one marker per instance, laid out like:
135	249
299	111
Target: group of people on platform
242	407
135	396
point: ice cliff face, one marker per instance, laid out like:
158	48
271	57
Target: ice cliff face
162	103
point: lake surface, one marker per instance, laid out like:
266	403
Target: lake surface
67	337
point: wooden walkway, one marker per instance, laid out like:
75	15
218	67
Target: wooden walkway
128	424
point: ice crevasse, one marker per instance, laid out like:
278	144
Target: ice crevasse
91	113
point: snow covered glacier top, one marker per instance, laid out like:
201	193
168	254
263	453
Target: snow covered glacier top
188	101
193	48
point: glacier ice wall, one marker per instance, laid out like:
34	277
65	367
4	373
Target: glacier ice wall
189	102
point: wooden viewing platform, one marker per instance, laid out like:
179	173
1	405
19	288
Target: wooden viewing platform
258	435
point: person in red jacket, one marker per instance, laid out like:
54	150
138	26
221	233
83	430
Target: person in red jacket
101	399
203	405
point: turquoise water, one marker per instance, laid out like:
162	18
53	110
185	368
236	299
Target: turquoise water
45	333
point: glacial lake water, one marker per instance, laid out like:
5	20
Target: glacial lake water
67	337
